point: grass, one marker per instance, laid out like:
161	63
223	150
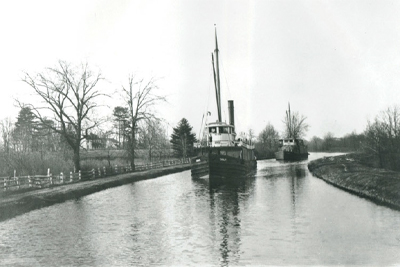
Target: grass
356	173
33	163
37	163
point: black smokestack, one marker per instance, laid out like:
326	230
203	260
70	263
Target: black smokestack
231	112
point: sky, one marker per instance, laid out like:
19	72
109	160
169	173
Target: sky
336	62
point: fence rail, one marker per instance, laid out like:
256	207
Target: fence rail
41	181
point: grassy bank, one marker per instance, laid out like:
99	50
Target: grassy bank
38	163
16	204
349	172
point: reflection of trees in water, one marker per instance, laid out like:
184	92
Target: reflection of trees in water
296	174
292	173
226	199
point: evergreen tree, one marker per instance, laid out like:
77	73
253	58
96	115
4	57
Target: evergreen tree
121	123
24	133
182	139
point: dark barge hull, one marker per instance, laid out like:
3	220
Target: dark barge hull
287	155
221	166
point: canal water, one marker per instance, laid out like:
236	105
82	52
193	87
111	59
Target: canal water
281	215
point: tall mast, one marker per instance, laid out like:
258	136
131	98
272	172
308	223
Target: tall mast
218	86
215	85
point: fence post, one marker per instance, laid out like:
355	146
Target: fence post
71	177
16	179
50	176
79	175
93	173
29	181
104	169
116	168
99	172
61	177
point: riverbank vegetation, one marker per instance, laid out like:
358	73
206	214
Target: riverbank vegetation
60	125
379	143
351	173
373	171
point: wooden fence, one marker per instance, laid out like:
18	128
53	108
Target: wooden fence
41	181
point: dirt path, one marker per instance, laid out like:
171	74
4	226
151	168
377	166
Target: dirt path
19	203
379	185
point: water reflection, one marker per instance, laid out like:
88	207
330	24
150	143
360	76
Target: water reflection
296	175
227	199
293	174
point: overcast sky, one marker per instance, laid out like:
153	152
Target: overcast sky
336	62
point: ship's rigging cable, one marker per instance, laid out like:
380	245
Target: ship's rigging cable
229	95
206	111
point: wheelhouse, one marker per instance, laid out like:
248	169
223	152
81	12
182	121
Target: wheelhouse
220	134
290	142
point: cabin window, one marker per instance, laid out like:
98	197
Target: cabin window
212	129
223	129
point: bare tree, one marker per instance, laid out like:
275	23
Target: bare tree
375	140
390	119
328	141
295	126
6	133
139	97
383	138
69	95
269	137
154	137
315	144
267	141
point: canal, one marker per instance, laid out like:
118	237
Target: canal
281	215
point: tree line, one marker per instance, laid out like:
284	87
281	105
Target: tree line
379	143
62	116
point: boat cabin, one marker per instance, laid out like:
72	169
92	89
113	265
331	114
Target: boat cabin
221	140
220	134
290	142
